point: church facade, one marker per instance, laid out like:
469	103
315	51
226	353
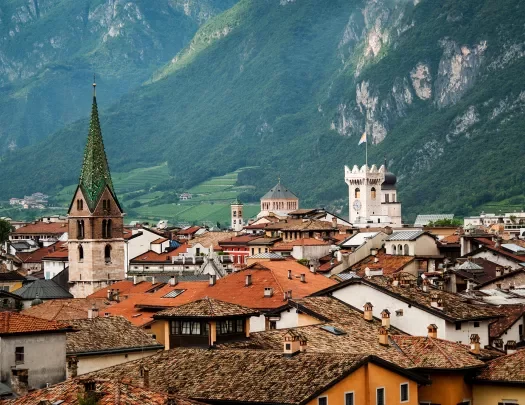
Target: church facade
96	221
372	197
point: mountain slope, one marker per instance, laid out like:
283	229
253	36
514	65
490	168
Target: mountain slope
289	86
49	50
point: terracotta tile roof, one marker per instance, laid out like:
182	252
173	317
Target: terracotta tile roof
490	245
108	393
450	239
237	240
283	246
502	277
455	307
66	309
207	308
512	313
309	224
37	255
389	263
252	376
488	272
52	228
159	240
505	369
429	353
189	231
153	257
210	238
112	333
60	251
15	323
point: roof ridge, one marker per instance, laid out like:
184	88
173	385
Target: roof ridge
391	339
441	350
208	299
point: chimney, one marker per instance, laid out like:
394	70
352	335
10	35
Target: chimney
268	292
20	381
110	295
474	344
152	280
499	271
334	222
510	347
512	286
116	295
135	280
248	280
367	313
426	287
376	259
506	270
289	274
213	279
497	243
432	331
303	344
383	336
303	278
173	281
312	269
395	283
385	318
289	294
436	301
72	366
144	373
292	343
373	251
93	312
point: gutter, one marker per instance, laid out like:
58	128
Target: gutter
118	350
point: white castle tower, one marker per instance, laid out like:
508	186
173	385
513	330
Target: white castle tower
368	203
237	222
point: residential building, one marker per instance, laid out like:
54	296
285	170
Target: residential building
42	232
38	291
237	247
190	232
100	342
66	309
11	281
55	261
503	254
279	200
415	307
32	352
9	301
319	214
387	265
372	196
262	245
508	280
96	227
510	328
513	222
205	323
202	244
412	243
138	241
185	196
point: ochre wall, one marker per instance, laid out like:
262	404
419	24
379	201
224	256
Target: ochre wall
446	389
364	381
492	394
305	320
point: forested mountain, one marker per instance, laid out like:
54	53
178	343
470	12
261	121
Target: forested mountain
289	86
49	48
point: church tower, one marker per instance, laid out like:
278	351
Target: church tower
96	223
364	187
237	220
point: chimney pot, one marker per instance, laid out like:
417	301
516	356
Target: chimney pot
383	336
367	313
268	292
385	318
474	344
213	279
289	274
173	281
303	278
510	347
432	331
499	272
110	295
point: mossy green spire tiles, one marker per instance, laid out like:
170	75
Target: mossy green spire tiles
95	174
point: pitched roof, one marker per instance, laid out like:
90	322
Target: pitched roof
95	175
423	220
505	369
207	308
279	192
15	323
51	228
432	353
512	313
44	289
210	238
390	264
189	231
284	246
455	307
450	239
66	309
513	273
237	240
405	235
109	392
107	334
257	376
153	257
159	241
11	276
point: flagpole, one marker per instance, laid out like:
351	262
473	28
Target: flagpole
366	150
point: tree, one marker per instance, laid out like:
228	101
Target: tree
445	222
5	230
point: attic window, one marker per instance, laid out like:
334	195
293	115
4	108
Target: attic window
333	330
173	294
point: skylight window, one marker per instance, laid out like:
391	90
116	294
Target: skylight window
333	330
173	294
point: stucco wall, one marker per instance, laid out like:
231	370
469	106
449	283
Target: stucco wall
87	364
493	394
497	258
44	357
257	323
446	389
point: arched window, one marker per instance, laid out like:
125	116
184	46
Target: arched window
107	254
399	249
394	249
80	253
80	204
407	253
104	229
234	213
357	193
373	193
80	229
108	228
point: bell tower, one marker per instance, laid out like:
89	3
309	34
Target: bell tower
237	215
96	220
364	188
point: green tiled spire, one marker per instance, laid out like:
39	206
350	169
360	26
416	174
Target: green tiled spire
95	173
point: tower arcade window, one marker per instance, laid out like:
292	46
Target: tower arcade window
80	253
357	193
106	228
373	193
399	250
107	254
394	252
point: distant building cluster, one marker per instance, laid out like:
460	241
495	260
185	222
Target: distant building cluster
33	201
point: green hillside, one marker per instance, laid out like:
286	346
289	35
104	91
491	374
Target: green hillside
289	87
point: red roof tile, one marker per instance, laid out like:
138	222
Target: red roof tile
52	228
159	241
450	239
389	263
153	257
39	254
190	231
14	323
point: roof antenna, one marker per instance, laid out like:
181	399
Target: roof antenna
94	85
